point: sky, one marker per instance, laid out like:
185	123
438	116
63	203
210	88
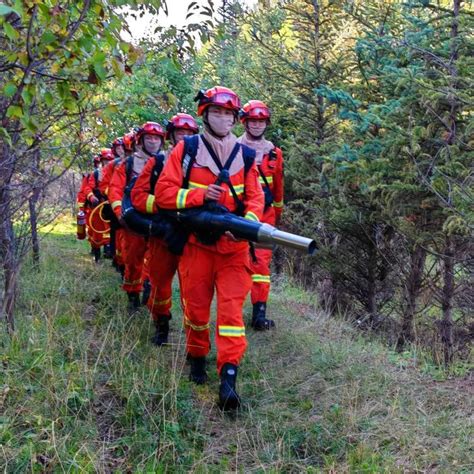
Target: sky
177	10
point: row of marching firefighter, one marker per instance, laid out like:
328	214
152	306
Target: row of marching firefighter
205	209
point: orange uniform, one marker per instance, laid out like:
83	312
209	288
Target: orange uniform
162	264
98	225
134	246
81	195
271	168
116	233
223	266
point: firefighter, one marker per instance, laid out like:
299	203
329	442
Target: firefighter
180	126
255	116
222	173
118	150
149	140
98	224
162	263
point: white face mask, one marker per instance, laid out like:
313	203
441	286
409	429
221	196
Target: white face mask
257	128
221	125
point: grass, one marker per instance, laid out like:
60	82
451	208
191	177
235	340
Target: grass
82	389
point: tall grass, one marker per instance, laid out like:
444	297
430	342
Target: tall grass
83	390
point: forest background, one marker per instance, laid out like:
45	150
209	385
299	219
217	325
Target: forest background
372	106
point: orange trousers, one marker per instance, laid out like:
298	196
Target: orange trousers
162	267
261	276
133	253
118	257
202	272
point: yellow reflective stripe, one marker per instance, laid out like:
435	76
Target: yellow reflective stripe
107	190
90	194
194	185
161	302
278	204
132	282
106	236
81	204
239	188
251	216
181	198
269	179
116	204
261	278
150	202
232	331
187	322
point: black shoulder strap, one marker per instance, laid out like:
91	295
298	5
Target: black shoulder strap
191	144
116	162
248	155
157	169
128	169
96	178
262	175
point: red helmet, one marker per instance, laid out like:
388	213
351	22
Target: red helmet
129	141
150	128
116	143
221	96
106	154
183	121
254	109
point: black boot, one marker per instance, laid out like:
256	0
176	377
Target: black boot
96	255
259	320
107	251
146	291
162	326
198	373
228	397
133	301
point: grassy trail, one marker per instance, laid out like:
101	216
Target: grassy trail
83	390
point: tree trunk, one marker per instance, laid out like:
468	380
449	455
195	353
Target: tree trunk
32	205
446	324
412	291
371	302
8	255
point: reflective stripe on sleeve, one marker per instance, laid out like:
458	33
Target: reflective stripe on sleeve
251	216
278	204
181	198
116	204
150	202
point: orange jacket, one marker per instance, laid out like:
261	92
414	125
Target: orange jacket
107	173
143	199
92	184
117	186
81	195
272	169
170	195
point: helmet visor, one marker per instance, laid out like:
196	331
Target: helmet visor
185	122
226	99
